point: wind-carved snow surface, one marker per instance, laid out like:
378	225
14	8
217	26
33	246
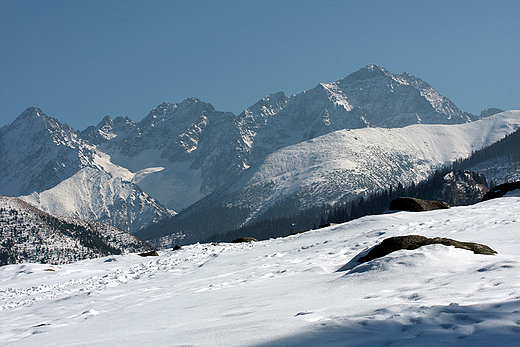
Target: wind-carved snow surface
302	290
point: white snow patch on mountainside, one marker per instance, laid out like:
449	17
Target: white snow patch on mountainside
293	291
327	168
96	195
176	185
104	162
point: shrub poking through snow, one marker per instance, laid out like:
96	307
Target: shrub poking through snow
411	242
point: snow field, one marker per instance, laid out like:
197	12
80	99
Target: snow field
303	290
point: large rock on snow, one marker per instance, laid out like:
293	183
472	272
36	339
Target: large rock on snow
411	242
501	190
416	205
244	239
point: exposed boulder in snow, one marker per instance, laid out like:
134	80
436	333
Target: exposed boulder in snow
411	242
501	190
285	290
244	239
149	254
416	205
333	143
340	167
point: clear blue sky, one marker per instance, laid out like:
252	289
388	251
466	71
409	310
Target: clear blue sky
81	60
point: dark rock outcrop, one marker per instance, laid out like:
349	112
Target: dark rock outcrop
463	188
411	242
501	190
416	205
149	254
244	239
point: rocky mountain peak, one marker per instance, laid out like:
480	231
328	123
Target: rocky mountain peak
171	113
33	119
489	112
107	121
37	152
268	105
368	72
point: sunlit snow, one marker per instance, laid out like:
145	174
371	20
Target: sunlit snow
303	290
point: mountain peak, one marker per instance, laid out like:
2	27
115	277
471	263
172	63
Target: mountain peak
107	121
374	67
33	110
489	112
32	113
368	72
191	100
33	118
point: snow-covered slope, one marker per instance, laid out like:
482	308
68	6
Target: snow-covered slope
28	234
285	292
371	96
95	195
180	152
342	165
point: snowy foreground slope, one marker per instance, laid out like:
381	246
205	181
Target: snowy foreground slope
285	292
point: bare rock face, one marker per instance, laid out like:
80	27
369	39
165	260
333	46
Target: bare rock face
411	242
501	190
416	205
463	188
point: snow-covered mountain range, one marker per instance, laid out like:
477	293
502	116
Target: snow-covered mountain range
331	143
339	167
50	166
